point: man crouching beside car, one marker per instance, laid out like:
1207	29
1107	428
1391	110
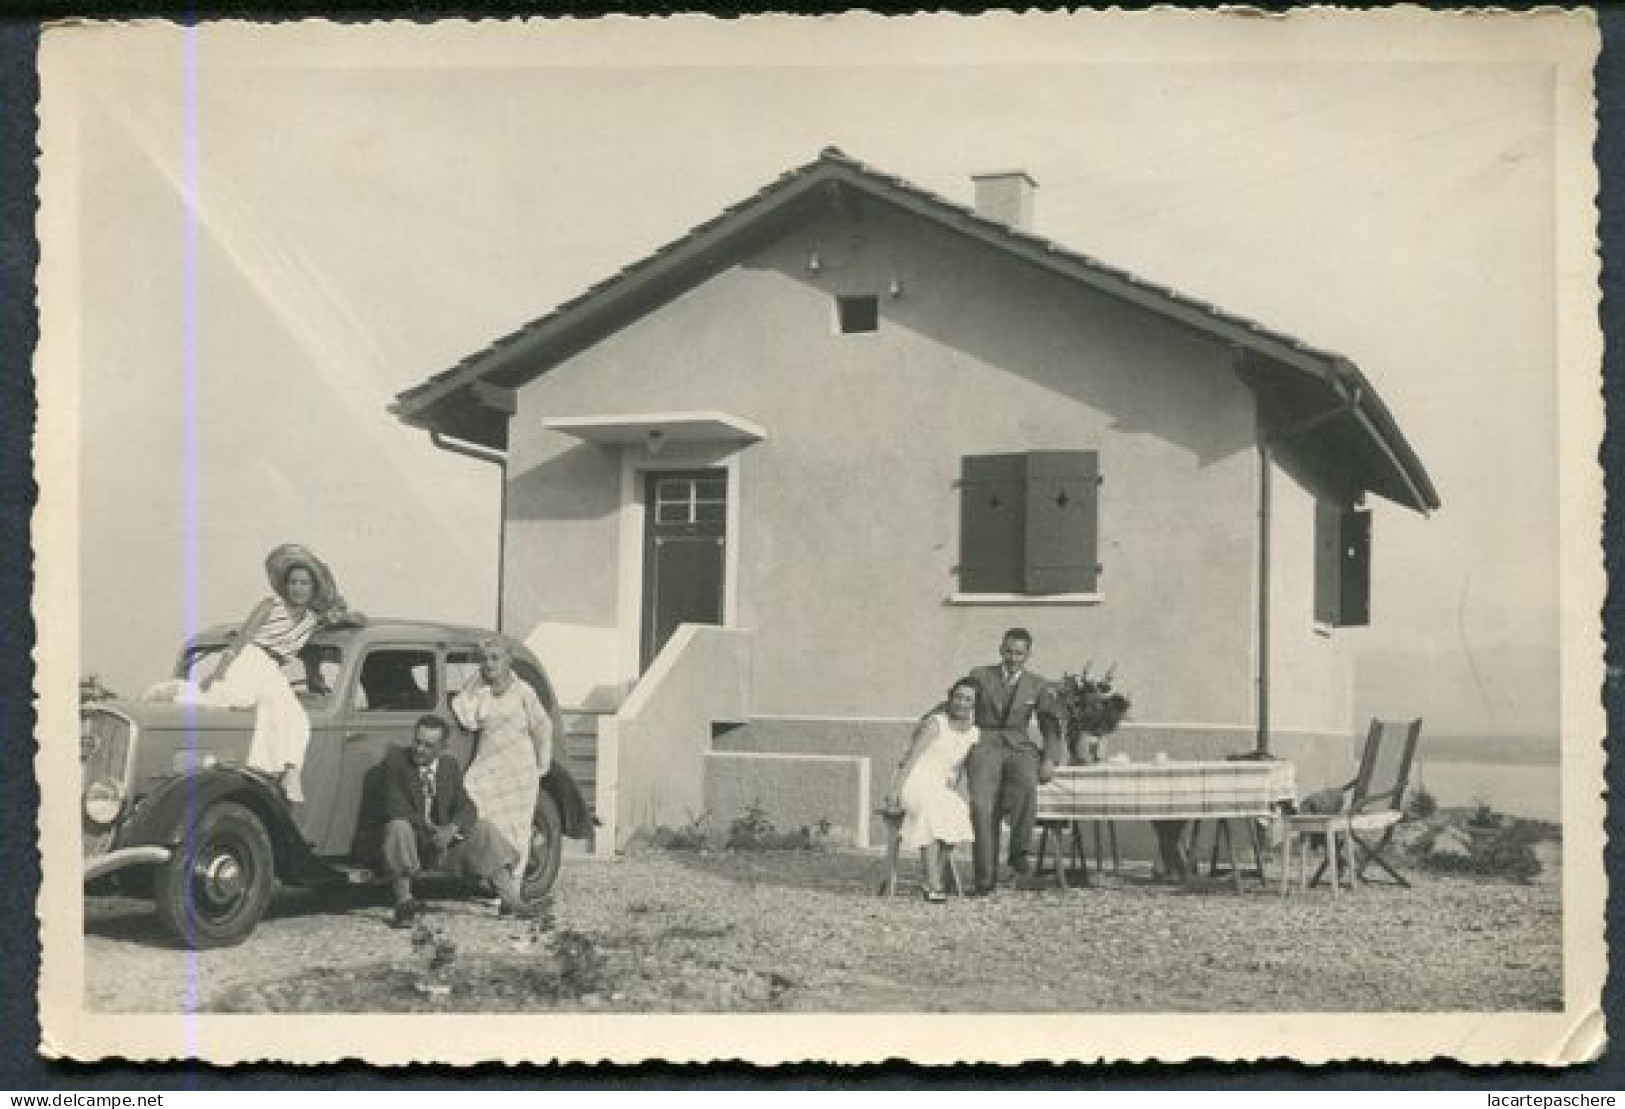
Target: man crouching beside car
415	813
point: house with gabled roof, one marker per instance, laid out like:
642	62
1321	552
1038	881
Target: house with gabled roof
770	489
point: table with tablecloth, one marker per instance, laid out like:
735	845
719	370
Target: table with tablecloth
1172	791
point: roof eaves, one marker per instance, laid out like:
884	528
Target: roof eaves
413	401
1327	365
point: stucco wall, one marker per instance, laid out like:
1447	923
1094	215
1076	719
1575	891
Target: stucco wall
1311	666
826	794
849	519
651	755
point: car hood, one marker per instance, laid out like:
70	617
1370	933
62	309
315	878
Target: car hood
165	716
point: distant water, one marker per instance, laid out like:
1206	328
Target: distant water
1510	774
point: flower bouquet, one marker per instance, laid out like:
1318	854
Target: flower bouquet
1094	709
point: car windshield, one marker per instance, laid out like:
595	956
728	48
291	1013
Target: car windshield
311	674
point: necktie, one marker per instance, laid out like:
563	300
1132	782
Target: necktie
426	775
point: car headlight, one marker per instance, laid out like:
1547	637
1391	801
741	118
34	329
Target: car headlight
103	800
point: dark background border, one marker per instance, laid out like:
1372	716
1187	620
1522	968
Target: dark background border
22	1069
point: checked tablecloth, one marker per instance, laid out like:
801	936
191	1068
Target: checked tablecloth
1165	790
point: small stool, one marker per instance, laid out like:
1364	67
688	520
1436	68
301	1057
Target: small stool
894	843
1298	830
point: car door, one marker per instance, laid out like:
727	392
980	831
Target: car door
462	661
396	684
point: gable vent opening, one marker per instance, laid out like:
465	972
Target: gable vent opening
857	314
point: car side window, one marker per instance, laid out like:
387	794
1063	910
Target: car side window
397	679
462	663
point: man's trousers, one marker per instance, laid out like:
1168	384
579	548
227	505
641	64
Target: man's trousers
1003	783
481	854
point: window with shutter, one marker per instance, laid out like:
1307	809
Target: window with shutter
1326	562
1061	494
1354	580
992	523
1342	565
1028	523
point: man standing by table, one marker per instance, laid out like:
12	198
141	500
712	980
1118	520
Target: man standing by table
1006	765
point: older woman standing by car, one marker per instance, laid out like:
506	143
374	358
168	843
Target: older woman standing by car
304	599
515	743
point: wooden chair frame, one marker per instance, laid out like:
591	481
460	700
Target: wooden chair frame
1371	810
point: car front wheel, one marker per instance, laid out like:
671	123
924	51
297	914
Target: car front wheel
546	848
216	887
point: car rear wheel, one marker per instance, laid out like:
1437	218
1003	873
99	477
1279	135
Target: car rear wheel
216	887
546	849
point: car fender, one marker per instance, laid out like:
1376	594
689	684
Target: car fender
164	815
573	807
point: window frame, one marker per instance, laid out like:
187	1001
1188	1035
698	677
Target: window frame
361	700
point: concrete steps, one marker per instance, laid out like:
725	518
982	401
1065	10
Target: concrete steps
581	757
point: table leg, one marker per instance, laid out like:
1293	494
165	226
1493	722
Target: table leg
1230	849
1059	831
1082	854
1331	857
1258	850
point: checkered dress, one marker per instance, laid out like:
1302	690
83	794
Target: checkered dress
503	778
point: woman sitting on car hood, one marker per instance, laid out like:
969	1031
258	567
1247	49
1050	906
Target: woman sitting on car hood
304	599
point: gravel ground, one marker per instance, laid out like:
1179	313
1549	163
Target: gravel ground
803	931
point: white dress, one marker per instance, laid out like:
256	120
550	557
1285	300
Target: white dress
934	806
281	728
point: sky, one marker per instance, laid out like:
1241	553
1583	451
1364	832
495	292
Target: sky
373	204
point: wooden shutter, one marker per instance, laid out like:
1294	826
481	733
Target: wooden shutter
1328	558
1354	568
1062	488
991	523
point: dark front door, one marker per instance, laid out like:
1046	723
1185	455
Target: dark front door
686	513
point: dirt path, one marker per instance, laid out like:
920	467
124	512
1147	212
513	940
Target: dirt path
804	931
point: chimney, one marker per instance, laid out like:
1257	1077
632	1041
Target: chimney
1006	197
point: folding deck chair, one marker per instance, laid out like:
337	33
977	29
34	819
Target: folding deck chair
1374	803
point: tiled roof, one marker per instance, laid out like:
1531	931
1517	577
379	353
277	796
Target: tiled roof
1342	376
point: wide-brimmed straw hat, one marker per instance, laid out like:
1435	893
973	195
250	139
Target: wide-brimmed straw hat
325	597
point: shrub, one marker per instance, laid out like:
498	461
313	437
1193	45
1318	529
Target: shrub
753	830
1481	842
1422	805
693	836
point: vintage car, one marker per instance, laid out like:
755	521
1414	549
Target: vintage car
170	811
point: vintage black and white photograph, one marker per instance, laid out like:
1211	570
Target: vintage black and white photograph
978	538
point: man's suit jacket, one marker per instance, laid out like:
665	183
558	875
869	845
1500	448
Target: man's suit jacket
1005	714
394	791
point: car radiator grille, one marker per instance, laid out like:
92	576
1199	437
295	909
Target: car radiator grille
104	752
